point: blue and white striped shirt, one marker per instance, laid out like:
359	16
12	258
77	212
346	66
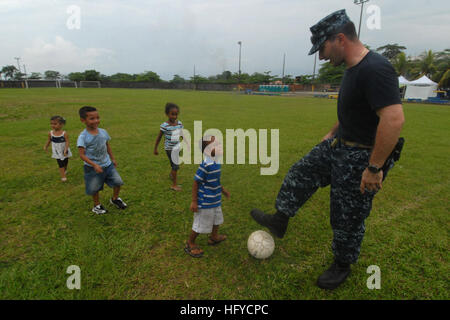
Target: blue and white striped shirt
209	193
172	134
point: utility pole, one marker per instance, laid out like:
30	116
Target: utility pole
284	62
360	2
193	79
314	71
240	46
18	63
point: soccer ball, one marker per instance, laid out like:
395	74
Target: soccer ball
260	244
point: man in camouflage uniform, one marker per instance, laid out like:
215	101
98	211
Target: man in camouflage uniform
353	153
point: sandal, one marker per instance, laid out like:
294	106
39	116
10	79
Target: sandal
213	242
176	188
189	249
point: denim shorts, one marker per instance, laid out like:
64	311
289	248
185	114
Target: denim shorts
94	181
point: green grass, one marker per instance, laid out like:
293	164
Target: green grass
46	226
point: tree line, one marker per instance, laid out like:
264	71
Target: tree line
435	65
10	72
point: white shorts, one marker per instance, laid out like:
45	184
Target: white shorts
205	219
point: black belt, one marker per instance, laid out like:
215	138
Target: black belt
349	143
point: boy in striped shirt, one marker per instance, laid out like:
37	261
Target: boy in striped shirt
207	198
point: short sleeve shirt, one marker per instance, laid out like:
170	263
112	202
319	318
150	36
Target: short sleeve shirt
95	146
210	190
172	134
370	85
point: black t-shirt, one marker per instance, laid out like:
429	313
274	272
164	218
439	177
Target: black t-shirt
366	87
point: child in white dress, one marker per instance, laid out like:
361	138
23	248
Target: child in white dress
60	144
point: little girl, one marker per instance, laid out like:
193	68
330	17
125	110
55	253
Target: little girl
172	131
60	144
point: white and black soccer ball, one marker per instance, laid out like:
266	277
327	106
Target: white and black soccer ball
260	244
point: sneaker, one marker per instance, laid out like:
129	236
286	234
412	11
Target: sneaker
99	209
334	276
118	203
277	223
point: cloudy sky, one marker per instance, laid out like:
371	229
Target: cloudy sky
171	36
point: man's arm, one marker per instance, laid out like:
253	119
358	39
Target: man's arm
332	132
388	131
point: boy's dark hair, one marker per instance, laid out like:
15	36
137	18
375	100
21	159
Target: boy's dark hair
348	30
84	110
170	106
206	140
59	119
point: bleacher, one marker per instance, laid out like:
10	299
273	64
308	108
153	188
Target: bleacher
435	100
273	88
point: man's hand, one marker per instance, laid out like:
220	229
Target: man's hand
98	169
155	152
371	181
114	162
194	206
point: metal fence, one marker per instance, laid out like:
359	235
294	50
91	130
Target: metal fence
160	85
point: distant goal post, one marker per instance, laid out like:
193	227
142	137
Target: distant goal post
90	84
39	83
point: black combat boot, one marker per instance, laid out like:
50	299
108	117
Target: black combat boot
334	276
277	223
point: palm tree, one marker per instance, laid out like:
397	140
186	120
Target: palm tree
427	66
390	51
9	71
442	62
445	80
401	64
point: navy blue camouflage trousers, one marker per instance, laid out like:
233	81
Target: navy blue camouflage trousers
341	167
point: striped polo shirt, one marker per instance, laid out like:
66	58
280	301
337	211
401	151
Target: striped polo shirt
171	134
210	190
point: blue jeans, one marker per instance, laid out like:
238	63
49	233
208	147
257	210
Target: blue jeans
94	181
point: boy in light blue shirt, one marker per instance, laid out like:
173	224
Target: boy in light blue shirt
99	162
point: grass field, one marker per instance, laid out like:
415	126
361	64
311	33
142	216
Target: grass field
46	226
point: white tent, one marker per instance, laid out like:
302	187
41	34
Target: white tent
422	88
402	81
